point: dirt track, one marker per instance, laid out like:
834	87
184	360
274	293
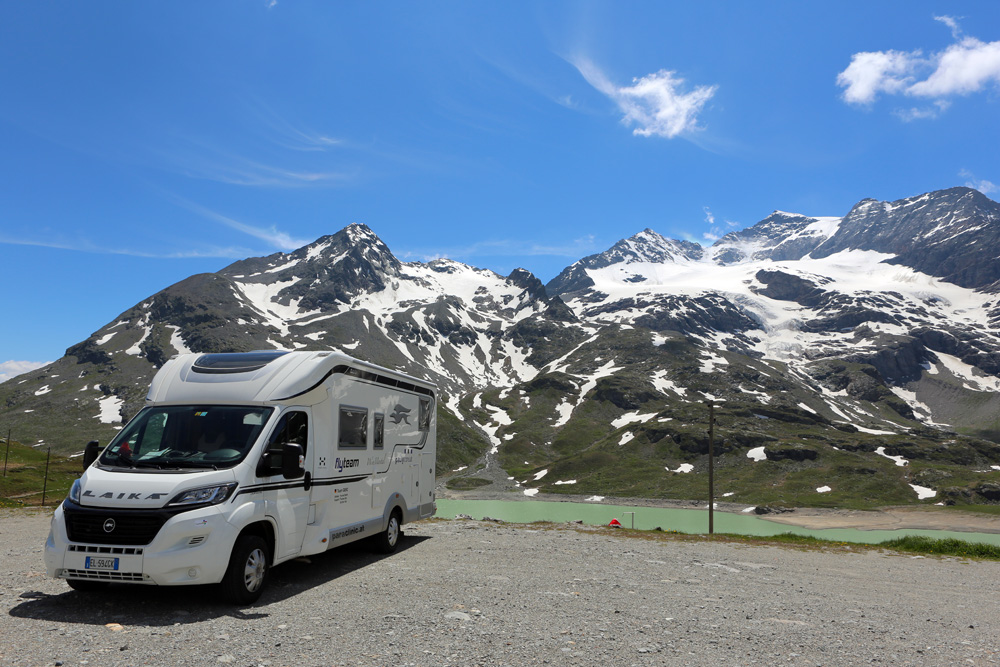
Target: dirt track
477	593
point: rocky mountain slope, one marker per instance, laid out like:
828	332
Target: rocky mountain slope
851	360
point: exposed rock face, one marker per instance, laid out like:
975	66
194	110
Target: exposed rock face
787	287
952	234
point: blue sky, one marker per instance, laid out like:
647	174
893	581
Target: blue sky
141	143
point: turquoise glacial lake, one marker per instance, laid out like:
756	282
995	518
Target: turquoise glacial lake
693	521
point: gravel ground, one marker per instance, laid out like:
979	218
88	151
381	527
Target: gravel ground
478	593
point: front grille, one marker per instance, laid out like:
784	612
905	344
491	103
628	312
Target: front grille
90	549
130	528
103	576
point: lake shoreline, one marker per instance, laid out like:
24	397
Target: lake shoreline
813	518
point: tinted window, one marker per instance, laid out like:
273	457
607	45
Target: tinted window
379	430
353	427
425	414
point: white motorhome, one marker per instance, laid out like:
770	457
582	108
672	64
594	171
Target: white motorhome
242	461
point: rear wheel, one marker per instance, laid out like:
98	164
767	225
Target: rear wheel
244	580
86	585
386	541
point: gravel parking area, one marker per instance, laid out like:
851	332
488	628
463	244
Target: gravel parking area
478	593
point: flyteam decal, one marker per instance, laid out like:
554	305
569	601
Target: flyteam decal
344	464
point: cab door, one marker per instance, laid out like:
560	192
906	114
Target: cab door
287	500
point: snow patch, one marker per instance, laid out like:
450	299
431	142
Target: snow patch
110	410
923	492
900	461
104	339
632	418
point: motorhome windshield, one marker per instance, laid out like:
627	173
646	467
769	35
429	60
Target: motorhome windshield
187	436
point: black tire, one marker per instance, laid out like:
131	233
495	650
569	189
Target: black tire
247	573
386	541
86	585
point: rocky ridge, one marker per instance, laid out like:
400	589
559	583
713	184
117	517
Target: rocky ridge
833	343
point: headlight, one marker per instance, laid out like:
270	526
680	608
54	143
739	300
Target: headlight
208	495
74	492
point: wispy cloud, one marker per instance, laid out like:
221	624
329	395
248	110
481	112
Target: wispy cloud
90	247
964	67
11	369
238	170
984	186
271	235
575	248
952	23
656	104
289	134
712	235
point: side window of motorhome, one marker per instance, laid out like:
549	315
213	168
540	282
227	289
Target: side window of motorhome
425	414
379	430
293	427
353	428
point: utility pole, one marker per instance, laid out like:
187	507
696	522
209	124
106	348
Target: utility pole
7	455
45	480
711	468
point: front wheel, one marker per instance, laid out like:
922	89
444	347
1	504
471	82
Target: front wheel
244	580
386	541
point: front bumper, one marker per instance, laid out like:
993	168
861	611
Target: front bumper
191	547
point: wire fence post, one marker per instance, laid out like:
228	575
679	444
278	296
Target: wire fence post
7	455
711	467
45	480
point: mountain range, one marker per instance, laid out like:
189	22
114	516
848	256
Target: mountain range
849	361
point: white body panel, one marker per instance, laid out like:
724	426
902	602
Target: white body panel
350	485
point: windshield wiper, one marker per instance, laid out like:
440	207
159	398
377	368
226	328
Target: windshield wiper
184	463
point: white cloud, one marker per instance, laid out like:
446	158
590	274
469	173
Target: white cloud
714	233
11	369
655	104
984	186
965	67
709	218
871	73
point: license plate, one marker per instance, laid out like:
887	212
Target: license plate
98	563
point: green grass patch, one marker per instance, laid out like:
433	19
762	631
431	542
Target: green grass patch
466	483
25	478
943	547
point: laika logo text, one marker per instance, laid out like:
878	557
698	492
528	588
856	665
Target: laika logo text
400	414
340	464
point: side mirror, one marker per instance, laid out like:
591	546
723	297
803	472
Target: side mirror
292	461
91	453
